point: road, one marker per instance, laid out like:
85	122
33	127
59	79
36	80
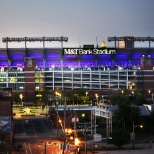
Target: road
38	146
145	151
34	132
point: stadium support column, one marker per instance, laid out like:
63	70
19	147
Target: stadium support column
147	75
43	43
62	42
115	42
25	43
29	67
149	42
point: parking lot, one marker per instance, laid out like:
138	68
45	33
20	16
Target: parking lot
31	126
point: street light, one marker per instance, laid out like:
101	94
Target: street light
56	93
76	141
149	91
65	146
122	92
21	97
133	96
134	126
96	95
50	100
86	96
65	113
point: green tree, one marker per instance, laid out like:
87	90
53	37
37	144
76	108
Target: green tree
121	96
126	111
139	98
119	138
45	96
16	98
81	95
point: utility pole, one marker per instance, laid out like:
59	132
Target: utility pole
85	130
75	134
65	115
133	135
85	135
45	148
57	114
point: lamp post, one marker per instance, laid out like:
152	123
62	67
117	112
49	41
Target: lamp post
86	96
50	100
21	97
65	114
57	111
85	129
122	92
76	143
103	99
96	95
65	145
149	91
134	126
133	97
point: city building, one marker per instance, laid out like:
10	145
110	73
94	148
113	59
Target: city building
103	70
6	134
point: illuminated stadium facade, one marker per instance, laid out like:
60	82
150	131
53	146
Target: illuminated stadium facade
33	70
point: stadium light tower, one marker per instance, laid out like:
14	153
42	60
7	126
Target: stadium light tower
35	39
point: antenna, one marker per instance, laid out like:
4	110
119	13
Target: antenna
96	42
79	42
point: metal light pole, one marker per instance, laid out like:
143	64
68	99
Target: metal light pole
149	91
133	135
56	104
65	114
86	97
122	92
21	97
96	95
85	129
57	117
133	97
45	148
141	126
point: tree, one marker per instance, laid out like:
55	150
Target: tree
46	96
119	138
121	96
139	98
81	95
16	98
126	111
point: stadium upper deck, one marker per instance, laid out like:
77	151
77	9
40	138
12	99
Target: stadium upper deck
130	68
126	55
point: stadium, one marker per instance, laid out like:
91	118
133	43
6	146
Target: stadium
99	70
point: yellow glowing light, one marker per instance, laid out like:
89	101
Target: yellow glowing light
103	44
60	121
21	96
69	131
76	141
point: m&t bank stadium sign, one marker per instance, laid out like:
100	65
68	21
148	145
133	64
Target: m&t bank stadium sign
85	51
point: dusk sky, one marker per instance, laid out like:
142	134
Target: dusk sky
79	20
